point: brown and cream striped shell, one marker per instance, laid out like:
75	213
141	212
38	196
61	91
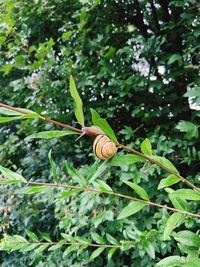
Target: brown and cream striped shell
103	147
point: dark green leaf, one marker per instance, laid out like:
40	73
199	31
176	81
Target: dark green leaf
53	167
96	253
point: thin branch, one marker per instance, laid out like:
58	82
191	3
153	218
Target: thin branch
118	144
110	193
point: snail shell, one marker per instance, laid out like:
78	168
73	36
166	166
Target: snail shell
103	147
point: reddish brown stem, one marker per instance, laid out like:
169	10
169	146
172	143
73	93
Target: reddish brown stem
110	193
119	145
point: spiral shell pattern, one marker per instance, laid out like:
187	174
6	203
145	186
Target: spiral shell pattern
103	147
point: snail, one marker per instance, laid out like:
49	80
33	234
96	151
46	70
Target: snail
103	147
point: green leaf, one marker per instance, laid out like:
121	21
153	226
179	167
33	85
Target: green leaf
97	238
53	167
192	262
111	252
30	247
68	193
82	239
188	238
187	194
45	236
81	249
41	248
31	189
149	249
9	182
169	261
174	58
68	238
68	250
50	134
27	116
102	123
99	171
75	174
139	190
78	102
96	253
20	238
101	185
146	147
54	247
133	207
10	175
165	162
32	236
179	203
170	180
9	112
193	92
111	239
123	160
188	127
171	223
67	35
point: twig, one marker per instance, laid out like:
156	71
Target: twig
110	193
119	145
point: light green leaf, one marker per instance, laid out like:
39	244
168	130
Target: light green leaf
81	249
187	194
20	238
123	160
193	92
68	250
75	174
78	102
99	171
170	180
68	193
30	247
149	249
82	239
165	162
41	248
45	236
67	35
169	261
50	134
146	147
171	223
53	167
133	207
111	239
139	190
27	116
179	203
102	123
32	236
111	252
96	253
97	238
9	112
31	189
68	238
101	185
54	247
10	175
10	182
188	238
188	127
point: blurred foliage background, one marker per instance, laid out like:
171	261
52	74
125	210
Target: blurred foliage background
136	62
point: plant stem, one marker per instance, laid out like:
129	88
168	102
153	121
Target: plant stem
118	144
110	193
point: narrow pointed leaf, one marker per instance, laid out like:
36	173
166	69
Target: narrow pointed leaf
31	189
103	124
50	134
68	193
97	238
111	239
139	190
169	261
53	166
75	174
68	250
45	236
133	207
171	223
165	162
170	180
96	253
122	160
99	171
188	194
10	175
188	238
101	185
81	249
78	102
111	252
32	236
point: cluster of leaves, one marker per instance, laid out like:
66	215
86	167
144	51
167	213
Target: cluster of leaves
139	58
